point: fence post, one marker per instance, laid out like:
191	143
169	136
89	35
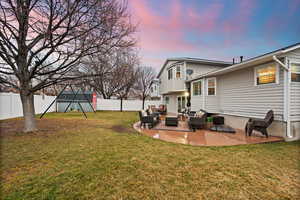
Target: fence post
121	105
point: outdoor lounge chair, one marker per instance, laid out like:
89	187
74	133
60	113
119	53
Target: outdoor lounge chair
260	125
148	119
197	122
162	109
150	112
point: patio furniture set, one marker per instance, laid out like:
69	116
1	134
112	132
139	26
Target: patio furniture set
151	116
202	120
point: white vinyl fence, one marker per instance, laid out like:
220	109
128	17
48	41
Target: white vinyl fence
128	105
11	106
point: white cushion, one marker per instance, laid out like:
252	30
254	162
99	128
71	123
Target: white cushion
144	113
199	114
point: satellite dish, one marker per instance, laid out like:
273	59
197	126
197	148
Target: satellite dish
189	71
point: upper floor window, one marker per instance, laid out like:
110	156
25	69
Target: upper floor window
170	74
197	88
211	86
266	75
178	72
295	73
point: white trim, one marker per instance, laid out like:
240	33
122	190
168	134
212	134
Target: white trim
203	96
291	48
236	66
184	71
268	56
264	66
279	62
180	72
288	97
192	90
215	80
185	102
290	74
285	93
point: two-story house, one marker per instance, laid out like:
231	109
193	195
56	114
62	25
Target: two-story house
240	90
174	74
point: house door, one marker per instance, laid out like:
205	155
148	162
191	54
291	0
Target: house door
181	103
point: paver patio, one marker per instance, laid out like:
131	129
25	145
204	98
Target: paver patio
202	137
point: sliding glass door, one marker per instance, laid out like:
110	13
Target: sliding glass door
181	103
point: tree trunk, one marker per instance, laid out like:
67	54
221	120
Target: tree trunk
28	112
143	103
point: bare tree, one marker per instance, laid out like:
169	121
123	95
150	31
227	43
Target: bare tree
128	76
115	72
145	77
42	42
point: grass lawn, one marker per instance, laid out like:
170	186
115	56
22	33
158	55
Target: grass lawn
104	158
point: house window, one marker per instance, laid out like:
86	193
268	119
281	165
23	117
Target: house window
295	73
266	75
167	100
178	72
197	88
211	86
170	74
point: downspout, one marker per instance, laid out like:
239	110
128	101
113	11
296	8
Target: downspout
203	92
287	81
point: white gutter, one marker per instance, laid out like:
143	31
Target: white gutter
287	92
291	48
280	63
237	65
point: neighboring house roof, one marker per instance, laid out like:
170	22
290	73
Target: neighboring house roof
250	62
194	60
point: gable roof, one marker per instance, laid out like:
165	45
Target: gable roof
250	62
194	60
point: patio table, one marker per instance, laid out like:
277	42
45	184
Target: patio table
171	121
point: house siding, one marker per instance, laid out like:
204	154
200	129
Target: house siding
173	87
166	84
196	103
172	105
295	102
294	56
237	95
200	69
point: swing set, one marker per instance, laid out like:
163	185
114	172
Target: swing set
73	97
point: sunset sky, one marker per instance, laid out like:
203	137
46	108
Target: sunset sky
213	29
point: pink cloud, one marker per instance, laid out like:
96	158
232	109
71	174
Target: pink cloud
239	21
166	32
204	21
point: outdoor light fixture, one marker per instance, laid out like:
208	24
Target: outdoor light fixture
186	94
